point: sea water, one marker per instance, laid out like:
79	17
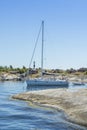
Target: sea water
20	115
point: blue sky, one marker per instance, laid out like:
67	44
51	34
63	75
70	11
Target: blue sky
65	42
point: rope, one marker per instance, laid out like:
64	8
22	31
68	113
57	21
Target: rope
35	47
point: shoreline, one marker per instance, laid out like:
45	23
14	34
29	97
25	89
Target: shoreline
73	104
15	76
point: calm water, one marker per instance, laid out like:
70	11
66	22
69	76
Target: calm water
19	115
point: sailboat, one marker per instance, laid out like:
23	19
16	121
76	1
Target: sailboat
45	82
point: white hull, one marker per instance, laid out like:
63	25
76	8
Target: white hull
38	82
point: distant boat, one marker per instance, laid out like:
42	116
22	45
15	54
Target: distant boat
45	82
78	83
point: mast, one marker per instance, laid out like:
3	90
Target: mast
42	48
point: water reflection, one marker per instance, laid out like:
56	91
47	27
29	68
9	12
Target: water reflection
31	88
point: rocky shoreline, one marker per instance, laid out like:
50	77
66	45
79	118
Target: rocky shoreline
11	77
15	76
73	103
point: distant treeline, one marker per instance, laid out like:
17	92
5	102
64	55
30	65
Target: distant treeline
22	70
71	71
13	70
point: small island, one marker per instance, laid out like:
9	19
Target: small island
19	74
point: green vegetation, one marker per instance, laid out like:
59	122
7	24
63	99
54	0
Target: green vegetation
10	69
22	70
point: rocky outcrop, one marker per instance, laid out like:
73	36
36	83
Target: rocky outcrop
73	103
8	76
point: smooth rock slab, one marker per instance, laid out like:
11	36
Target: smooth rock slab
73	103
